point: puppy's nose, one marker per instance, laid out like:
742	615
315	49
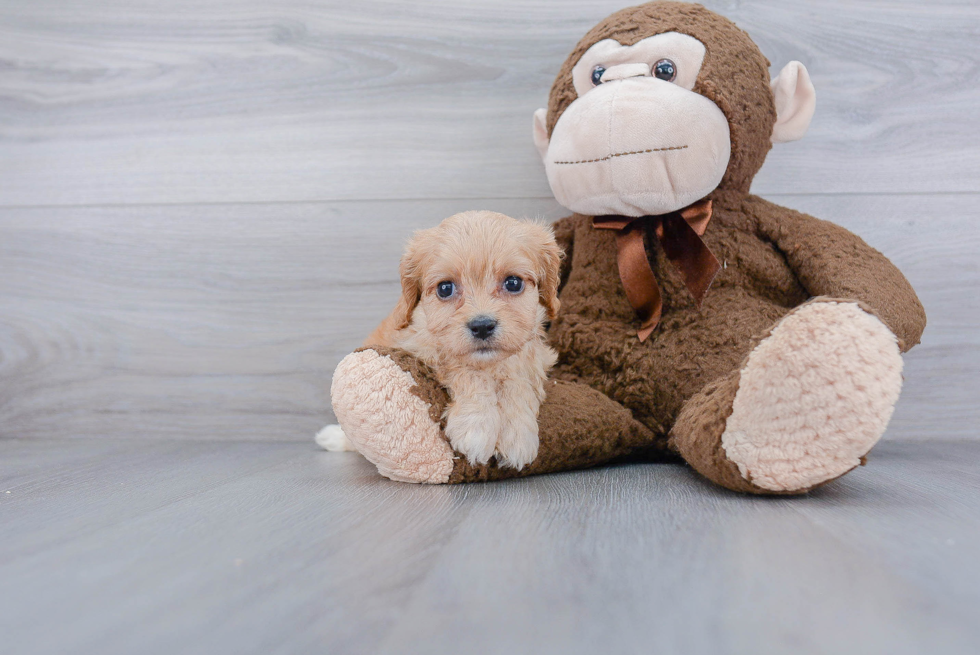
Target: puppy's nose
482	327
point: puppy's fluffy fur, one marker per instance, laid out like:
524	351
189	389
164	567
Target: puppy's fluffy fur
496	383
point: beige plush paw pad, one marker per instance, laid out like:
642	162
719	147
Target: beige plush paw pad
386	422
814	397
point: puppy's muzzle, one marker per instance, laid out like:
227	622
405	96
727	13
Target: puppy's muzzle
482	327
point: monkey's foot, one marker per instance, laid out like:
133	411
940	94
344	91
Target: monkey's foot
380	407
811	400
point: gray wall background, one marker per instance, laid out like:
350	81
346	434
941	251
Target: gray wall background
202	204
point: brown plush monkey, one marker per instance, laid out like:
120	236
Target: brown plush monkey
778	378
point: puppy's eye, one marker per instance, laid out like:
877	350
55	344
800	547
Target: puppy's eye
445	289
665	70
597	75
514	284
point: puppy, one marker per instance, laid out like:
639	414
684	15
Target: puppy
476	292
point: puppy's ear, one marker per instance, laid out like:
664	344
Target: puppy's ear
411	270
547	256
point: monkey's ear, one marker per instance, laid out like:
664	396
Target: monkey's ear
796	100
410	269
541	131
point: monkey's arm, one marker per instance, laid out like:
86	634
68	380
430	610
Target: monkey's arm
565	236
830	261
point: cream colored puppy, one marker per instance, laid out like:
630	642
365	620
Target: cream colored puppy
476	292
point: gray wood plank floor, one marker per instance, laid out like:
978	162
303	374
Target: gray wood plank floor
163	547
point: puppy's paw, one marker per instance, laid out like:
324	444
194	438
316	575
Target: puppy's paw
332	438
473	434
518	443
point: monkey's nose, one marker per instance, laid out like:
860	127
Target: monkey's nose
482	327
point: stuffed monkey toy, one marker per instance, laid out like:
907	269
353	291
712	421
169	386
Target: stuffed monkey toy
697	322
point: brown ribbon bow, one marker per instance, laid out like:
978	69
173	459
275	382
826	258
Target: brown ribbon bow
679	234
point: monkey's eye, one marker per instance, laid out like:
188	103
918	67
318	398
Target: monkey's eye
665	70
445	289
597	75
513	284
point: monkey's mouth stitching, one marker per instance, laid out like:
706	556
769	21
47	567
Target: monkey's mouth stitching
621	154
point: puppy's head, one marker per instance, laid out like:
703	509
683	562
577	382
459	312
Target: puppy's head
481	284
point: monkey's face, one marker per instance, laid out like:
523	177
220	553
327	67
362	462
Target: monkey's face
637	140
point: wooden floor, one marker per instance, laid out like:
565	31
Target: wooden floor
204	547
202	205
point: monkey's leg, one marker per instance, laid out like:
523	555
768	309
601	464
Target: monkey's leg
390	407
808	404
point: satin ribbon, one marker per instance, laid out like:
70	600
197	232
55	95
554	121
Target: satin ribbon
679	234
